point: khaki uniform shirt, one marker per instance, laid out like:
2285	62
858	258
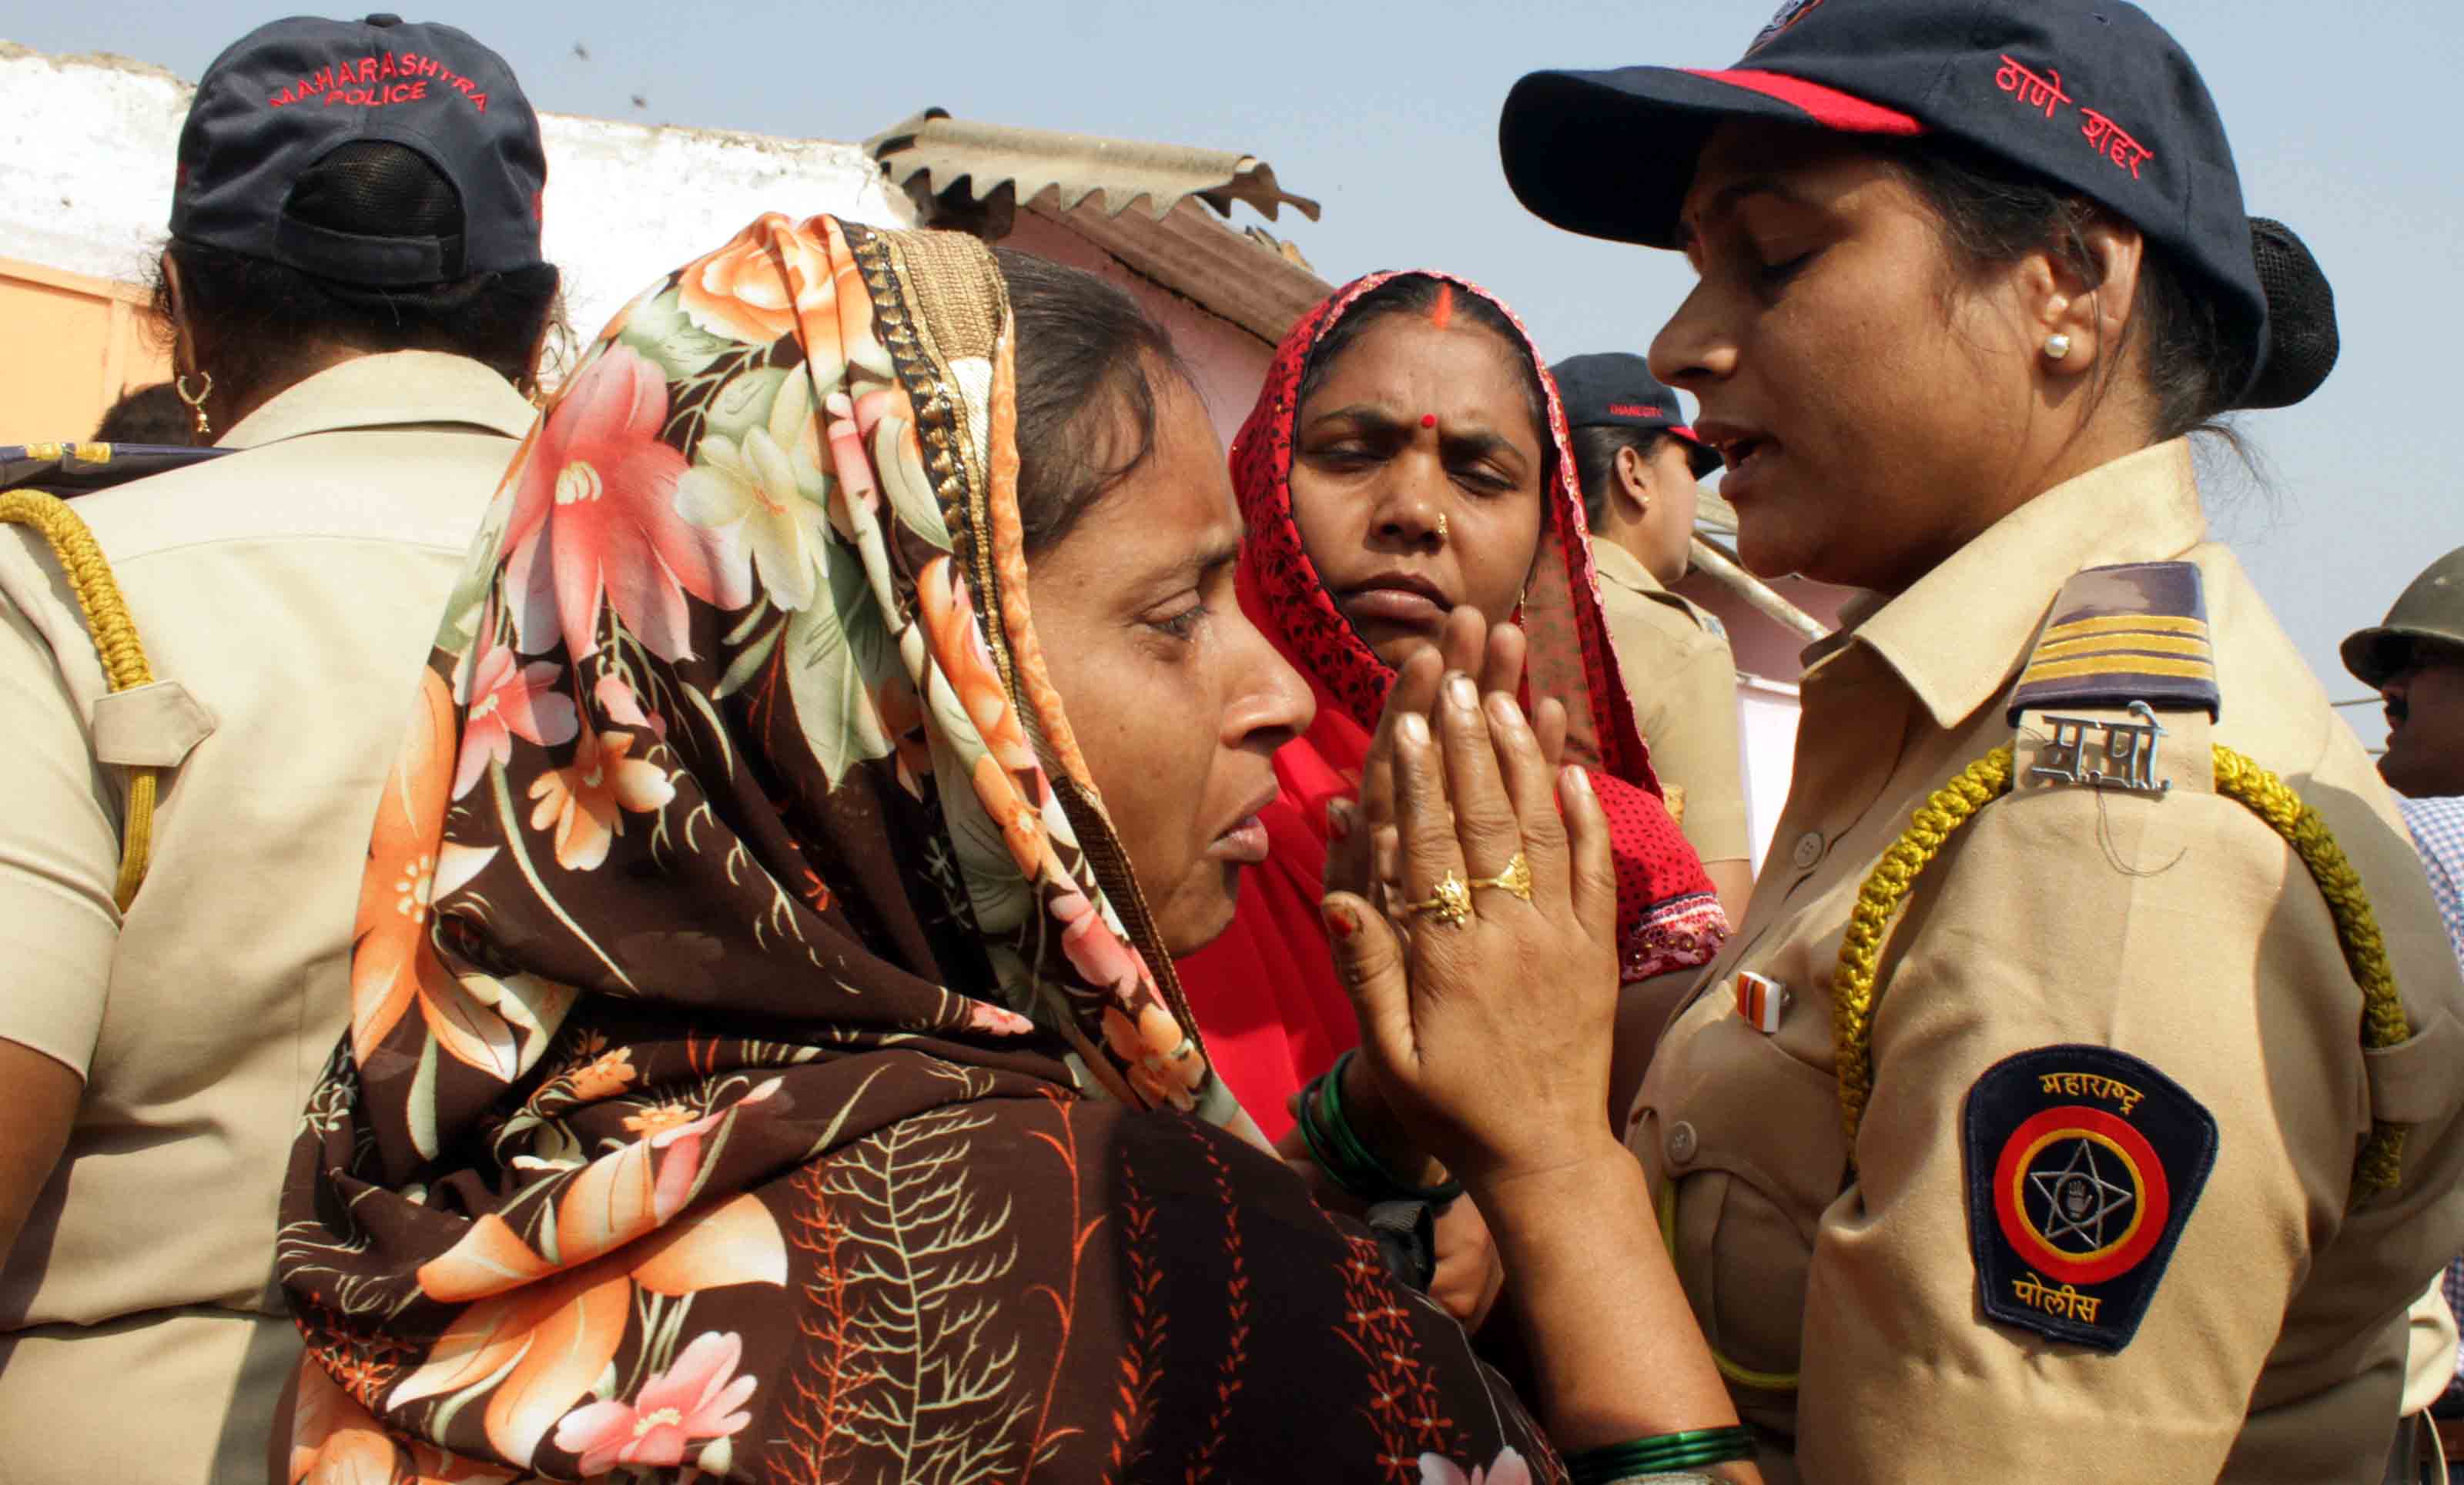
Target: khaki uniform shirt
2430	1340
1683	679
291	592
1841	1294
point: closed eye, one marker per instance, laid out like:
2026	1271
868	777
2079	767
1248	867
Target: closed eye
1350	454
1184	625
1484	479
1771	275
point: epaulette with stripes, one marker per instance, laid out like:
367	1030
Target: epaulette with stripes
76	468
2133	632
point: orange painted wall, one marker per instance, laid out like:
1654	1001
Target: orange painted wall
69	346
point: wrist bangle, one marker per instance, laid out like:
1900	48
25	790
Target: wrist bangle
1659	1455
1345	1157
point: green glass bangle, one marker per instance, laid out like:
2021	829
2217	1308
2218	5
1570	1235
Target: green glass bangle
1341	1127
1338	1130
1658	1454
1342	1172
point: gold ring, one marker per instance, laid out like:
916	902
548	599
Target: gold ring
1516	878
1450	901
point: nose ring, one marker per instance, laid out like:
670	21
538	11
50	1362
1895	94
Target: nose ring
1442	525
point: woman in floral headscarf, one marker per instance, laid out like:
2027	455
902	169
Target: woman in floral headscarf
1408	456
760	984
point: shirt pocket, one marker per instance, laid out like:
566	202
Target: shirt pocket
2413	1082
1748	1139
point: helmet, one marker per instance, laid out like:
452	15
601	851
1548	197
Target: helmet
2431	609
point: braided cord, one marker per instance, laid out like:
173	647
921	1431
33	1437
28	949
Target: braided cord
2384	1023
1853	990
114	640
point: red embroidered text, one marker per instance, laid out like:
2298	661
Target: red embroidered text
2107	138
2030	89
2115	144
371	81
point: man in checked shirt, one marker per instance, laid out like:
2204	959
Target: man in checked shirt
2416	659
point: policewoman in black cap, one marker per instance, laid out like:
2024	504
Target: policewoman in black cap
1638	463
2077	1100
201	681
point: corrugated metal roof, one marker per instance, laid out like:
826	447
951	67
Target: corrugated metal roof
974	177
1189	252
933	153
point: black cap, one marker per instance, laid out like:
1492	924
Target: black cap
2090	93
289	93
1616	389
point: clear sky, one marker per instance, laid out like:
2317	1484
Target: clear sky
2344	120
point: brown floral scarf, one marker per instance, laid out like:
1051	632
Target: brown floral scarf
760	1062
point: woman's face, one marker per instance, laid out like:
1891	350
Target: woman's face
1414	427
1177	701
1876	407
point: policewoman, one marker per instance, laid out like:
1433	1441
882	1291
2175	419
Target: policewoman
202	676
2055	1107
2076	1101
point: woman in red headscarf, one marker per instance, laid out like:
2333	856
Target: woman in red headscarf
1408	456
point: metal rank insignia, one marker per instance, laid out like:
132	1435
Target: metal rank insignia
2128	751
1761	1001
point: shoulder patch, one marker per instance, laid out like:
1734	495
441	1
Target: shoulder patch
2084	1164
2133	632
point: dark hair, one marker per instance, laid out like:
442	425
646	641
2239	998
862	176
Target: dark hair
1086	358
1416	293
1597	446
1993	213
146	415
250	320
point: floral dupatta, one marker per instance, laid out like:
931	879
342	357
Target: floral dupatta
1265	994
751	1040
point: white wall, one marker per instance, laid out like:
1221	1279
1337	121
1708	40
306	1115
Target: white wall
1228	362
1767	735
91	143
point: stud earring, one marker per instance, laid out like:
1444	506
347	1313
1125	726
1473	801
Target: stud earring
196	401
2057	346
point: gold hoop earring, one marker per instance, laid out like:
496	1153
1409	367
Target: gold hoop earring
196	401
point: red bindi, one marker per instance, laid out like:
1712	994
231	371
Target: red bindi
1428	420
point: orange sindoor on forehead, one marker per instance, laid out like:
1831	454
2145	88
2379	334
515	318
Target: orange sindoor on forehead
1441	313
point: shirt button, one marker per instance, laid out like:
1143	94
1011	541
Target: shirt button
1809	850
1682	1143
